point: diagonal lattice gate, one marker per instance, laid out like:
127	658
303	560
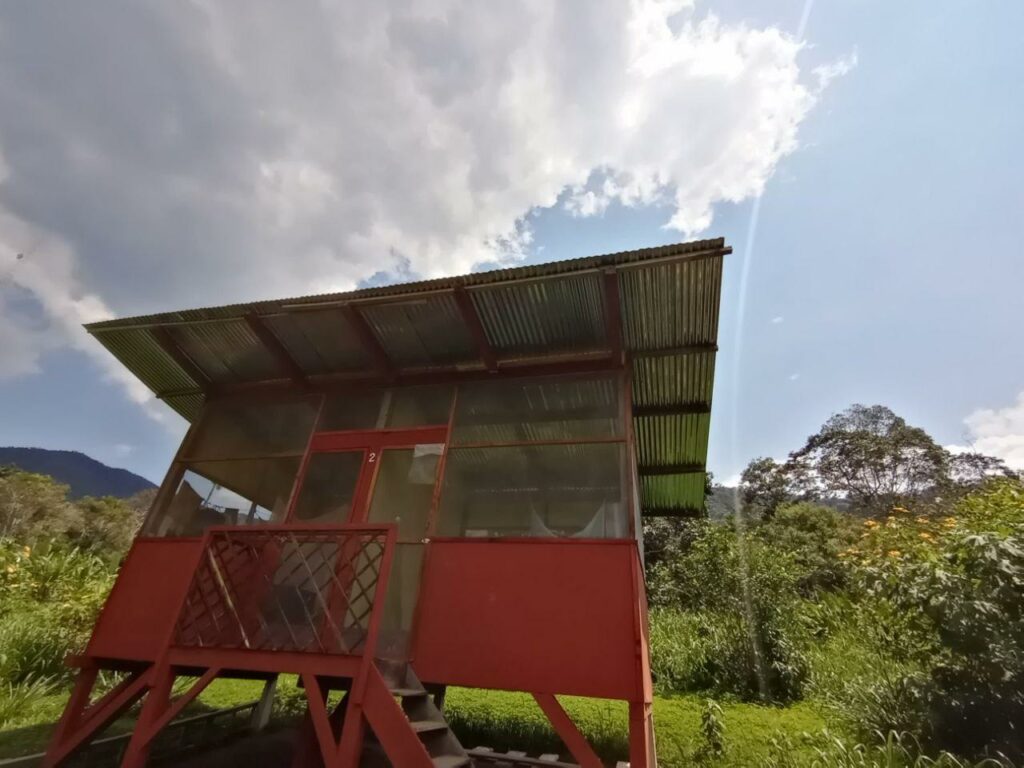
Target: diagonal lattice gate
295	589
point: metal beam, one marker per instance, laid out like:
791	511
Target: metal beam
685	349
476	328
277	349
689	512
169	344
371	344
670	469
671	410
613	314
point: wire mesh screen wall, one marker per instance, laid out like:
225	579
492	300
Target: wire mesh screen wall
285	589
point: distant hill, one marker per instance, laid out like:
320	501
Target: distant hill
84	475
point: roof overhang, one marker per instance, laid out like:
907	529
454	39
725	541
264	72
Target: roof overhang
655	310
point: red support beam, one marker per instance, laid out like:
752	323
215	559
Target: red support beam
169	345
81	725
278	350
613	314
371	344
476	328
574	741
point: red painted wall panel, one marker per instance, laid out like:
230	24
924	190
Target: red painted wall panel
143	605
546	616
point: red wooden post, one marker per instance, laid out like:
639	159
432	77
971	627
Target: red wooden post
641	735
156	703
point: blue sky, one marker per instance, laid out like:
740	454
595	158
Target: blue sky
885	265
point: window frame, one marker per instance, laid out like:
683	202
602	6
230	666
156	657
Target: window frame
405	436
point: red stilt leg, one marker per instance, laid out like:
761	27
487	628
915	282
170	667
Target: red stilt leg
80	723
157	702
641	735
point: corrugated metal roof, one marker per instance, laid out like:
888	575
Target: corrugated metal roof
543	316
668	313
426	332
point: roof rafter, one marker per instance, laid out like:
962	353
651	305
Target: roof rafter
277	349
371	344
476	327
613	313
165	339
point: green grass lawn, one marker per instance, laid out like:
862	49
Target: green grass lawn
509	721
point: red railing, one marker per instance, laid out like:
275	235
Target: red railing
288	588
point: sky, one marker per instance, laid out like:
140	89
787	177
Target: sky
862	157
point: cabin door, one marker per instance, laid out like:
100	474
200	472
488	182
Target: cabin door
387	476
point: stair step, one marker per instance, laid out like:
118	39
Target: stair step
427	726
404	692
450	761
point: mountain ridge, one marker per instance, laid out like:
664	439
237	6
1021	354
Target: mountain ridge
84	475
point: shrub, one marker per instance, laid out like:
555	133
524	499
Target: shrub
48	604
812	536
740	638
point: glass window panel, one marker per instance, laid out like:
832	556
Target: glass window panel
532	410
538	490
243	492
402	494
419	406
238	429
329	487
403	491
351	410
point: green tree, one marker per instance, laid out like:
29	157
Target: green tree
764	486
106	525
872	458
34	507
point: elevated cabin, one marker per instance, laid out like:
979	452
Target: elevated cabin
401	488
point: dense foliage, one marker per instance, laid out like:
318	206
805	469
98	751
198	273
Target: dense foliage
874	574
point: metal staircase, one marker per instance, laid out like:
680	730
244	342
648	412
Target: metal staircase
424	716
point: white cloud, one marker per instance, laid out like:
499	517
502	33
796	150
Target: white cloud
997	432
826	73
156	156
777	319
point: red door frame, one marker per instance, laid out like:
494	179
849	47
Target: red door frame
372	442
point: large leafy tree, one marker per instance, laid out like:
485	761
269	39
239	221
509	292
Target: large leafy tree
872	458
764	487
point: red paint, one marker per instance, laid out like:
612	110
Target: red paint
143	605
545	616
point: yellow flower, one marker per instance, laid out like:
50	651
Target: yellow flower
894	553
26	551
949	522
921	519
925	535
11	568
871	523
899	509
